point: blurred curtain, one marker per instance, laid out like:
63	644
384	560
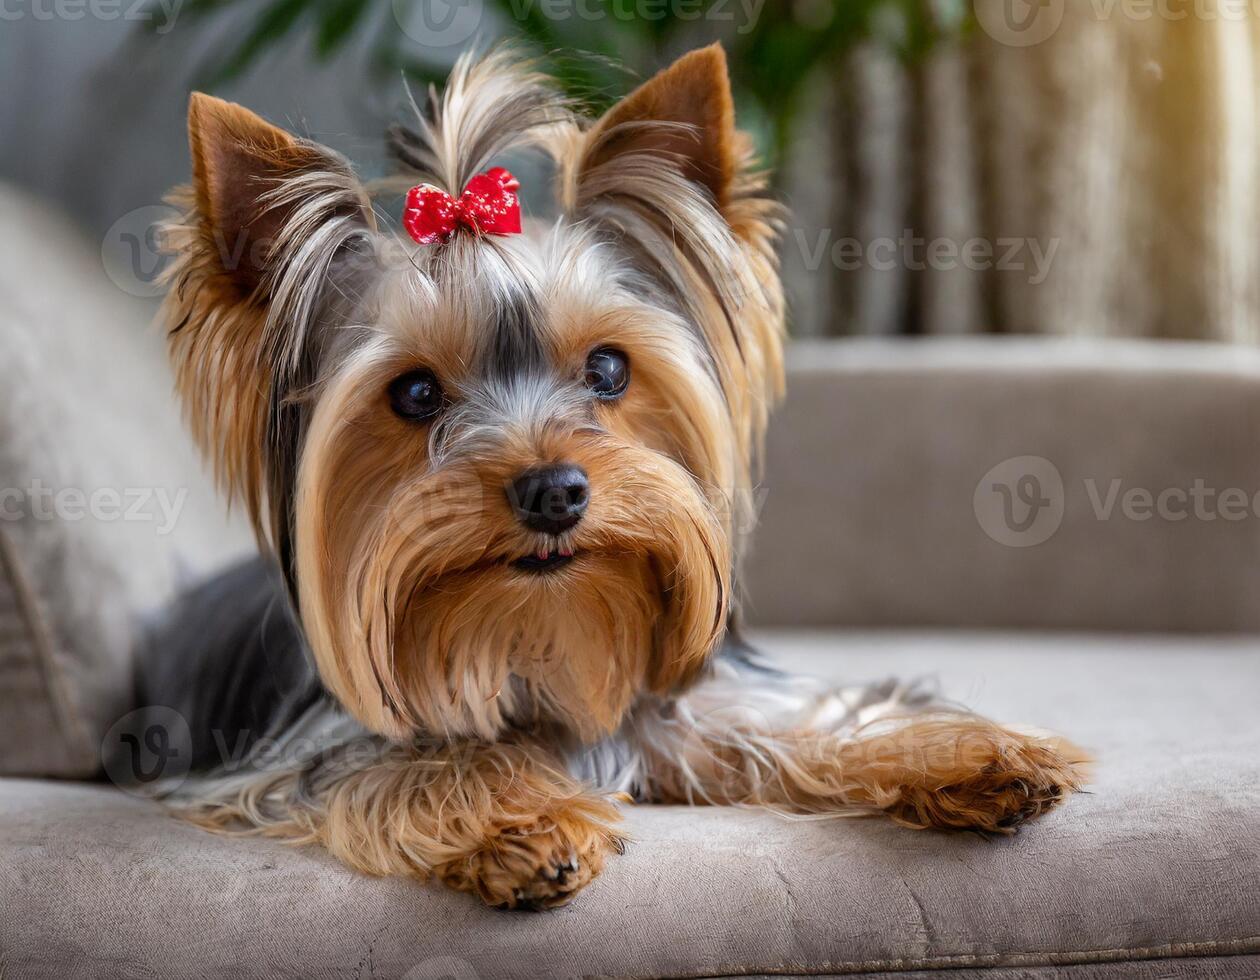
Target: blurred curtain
1109	173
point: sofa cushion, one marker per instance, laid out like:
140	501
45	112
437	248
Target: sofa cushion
899	473
1153	874
104	509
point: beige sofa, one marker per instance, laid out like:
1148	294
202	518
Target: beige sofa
887	547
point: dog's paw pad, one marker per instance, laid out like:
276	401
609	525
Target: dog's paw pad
1020	780
534	865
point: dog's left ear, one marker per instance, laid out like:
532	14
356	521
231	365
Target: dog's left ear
684	112
683	118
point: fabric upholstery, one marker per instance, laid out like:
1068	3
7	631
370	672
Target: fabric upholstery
1158	865
86	415
869	512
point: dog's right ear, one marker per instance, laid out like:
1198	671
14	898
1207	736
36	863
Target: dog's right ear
267	222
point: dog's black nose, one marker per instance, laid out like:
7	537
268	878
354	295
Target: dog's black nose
550	499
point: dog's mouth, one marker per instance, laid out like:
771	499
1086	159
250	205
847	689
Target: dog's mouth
543	561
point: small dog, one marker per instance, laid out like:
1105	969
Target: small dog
503	473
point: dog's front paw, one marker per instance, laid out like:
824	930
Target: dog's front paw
539	862
988	778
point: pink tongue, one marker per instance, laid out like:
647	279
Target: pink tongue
543	554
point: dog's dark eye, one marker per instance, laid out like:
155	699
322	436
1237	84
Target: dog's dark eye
607	372
416	395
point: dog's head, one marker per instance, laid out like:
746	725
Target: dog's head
504	475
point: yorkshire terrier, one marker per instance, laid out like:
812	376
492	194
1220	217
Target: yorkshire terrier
501	472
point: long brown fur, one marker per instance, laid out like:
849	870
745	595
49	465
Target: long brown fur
948	770
501	820
498	711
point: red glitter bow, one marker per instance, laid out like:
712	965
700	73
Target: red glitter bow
488	206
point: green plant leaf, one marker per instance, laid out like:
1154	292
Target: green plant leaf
599	48
336	25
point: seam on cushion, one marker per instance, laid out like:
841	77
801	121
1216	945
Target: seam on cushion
1171	950
45	662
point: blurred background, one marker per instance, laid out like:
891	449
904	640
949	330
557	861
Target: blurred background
1074	167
